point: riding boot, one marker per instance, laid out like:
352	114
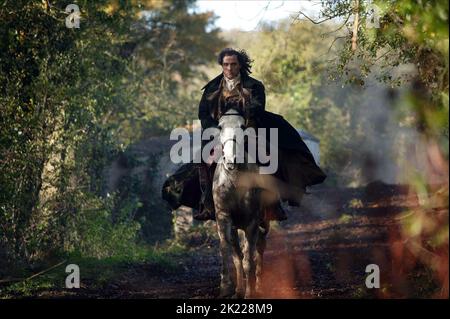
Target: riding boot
206	207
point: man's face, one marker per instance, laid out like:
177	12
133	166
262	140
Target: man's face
230	66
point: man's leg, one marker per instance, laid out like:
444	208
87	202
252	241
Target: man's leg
206	206
206	210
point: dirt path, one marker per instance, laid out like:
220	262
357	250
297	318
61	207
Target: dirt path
321	251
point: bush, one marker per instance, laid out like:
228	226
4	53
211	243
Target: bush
93	233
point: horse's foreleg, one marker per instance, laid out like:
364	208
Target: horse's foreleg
251	238
224	230
237	260
260	247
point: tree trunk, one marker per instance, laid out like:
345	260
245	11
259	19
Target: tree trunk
355	25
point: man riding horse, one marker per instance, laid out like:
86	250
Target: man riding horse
191	184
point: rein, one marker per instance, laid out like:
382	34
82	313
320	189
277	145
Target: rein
239	113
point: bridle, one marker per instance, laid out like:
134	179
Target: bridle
233	139
239	113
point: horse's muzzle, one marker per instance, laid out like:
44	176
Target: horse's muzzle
230	163
230	166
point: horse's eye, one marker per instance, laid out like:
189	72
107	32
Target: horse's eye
219	127
242	127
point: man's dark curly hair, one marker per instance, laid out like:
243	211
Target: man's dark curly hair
243	58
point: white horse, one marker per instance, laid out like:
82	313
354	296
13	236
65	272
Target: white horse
240	207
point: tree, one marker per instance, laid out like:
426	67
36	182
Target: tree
413	33
70	99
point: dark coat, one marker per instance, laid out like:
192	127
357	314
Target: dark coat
296	163
208	106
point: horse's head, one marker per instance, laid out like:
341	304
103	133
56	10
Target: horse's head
231	125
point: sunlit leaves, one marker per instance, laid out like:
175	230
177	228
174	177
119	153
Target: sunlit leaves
70	99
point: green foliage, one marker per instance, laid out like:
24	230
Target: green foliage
345	218
409	32
26	288
414	34
410	35
96	274
292	61
355	203
93	233
71	100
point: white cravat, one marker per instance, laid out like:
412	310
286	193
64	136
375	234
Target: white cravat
231	83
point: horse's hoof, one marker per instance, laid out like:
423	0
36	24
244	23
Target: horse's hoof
250	294
239	294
